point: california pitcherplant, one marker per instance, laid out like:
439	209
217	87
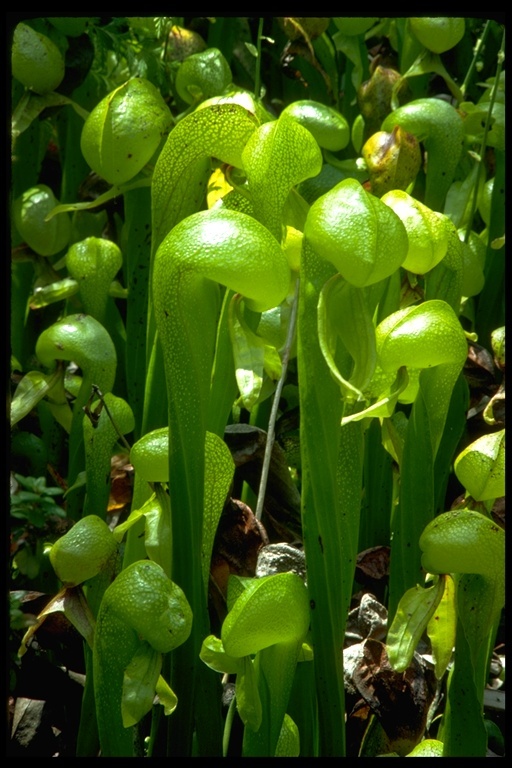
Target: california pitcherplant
243	236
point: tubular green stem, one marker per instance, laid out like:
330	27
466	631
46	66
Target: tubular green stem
178	190
137	204
94	262
366	242
320	418
257	77
99	443
427	337
208	247
274	669
476	53
483	145
472	546
88	552
84	341
224	389
142	611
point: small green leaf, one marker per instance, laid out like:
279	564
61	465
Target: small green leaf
31	389
441	628
343	312
394	431
252	49
253	356
214	656
80	480
166	696
31	105
158	539
72	603
50	294
147	508
385	404
139	683
414	611
460	196
430	62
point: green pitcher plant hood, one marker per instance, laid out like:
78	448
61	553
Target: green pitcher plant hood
355	231
427	231
30	211
83	340
328	126
123	131
143	614
481	467
36	61
94	263
272	610
439	126
83	551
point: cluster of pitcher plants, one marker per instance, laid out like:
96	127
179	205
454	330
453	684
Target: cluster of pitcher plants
219	221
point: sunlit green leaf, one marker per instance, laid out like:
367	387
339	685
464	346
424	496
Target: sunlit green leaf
288	744
166	696
49	294
31	389
214	656
414	612
441	628
253	356
139	683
